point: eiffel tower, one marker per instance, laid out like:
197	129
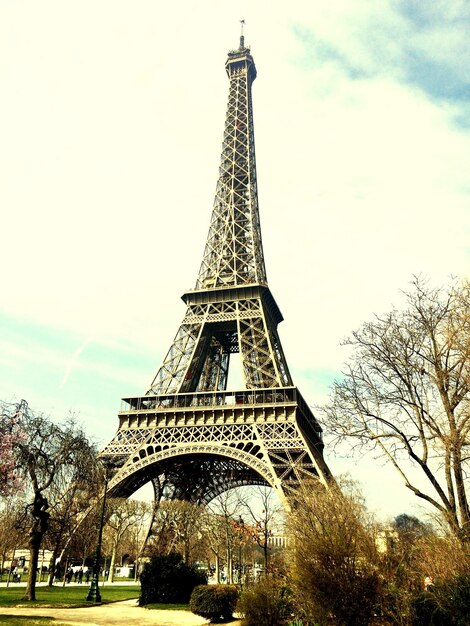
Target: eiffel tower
190	435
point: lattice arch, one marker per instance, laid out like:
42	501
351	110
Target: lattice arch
149	462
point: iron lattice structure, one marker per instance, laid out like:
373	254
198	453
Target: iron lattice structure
190	435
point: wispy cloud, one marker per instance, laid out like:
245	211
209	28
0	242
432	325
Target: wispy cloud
72	362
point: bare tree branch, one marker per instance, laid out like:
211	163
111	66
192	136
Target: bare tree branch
406	391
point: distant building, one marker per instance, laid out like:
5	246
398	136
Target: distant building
278	541
386	539
20	560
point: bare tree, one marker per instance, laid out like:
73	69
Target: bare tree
11	513
406	395
179	526
135	539
188	525
263	515
123	514
215	531
224	511
80	538
68	503
48	455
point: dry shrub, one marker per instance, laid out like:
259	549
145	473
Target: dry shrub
447	561
442	557
334	560
266	603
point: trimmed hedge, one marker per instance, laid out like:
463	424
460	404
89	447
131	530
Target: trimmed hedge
214	602
166	579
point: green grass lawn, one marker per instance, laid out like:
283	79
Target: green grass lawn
168	607
65	596
14	620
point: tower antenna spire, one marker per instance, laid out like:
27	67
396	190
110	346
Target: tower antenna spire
242	38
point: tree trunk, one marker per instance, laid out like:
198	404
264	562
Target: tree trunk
11	563
39	526
35	538
52	567
41	567
187	552
229	567
461	493
111	565
66	567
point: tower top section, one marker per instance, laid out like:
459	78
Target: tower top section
241	58
233	255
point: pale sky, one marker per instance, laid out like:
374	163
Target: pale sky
111	121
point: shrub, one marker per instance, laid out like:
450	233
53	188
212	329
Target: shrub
460	605
334	562
167	579
448	604
214	601
266	603
427	612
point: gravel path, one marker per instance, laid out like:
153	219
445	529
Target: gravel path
114	614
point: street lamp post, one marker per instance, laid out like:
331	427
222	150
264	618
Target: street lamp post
94	594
